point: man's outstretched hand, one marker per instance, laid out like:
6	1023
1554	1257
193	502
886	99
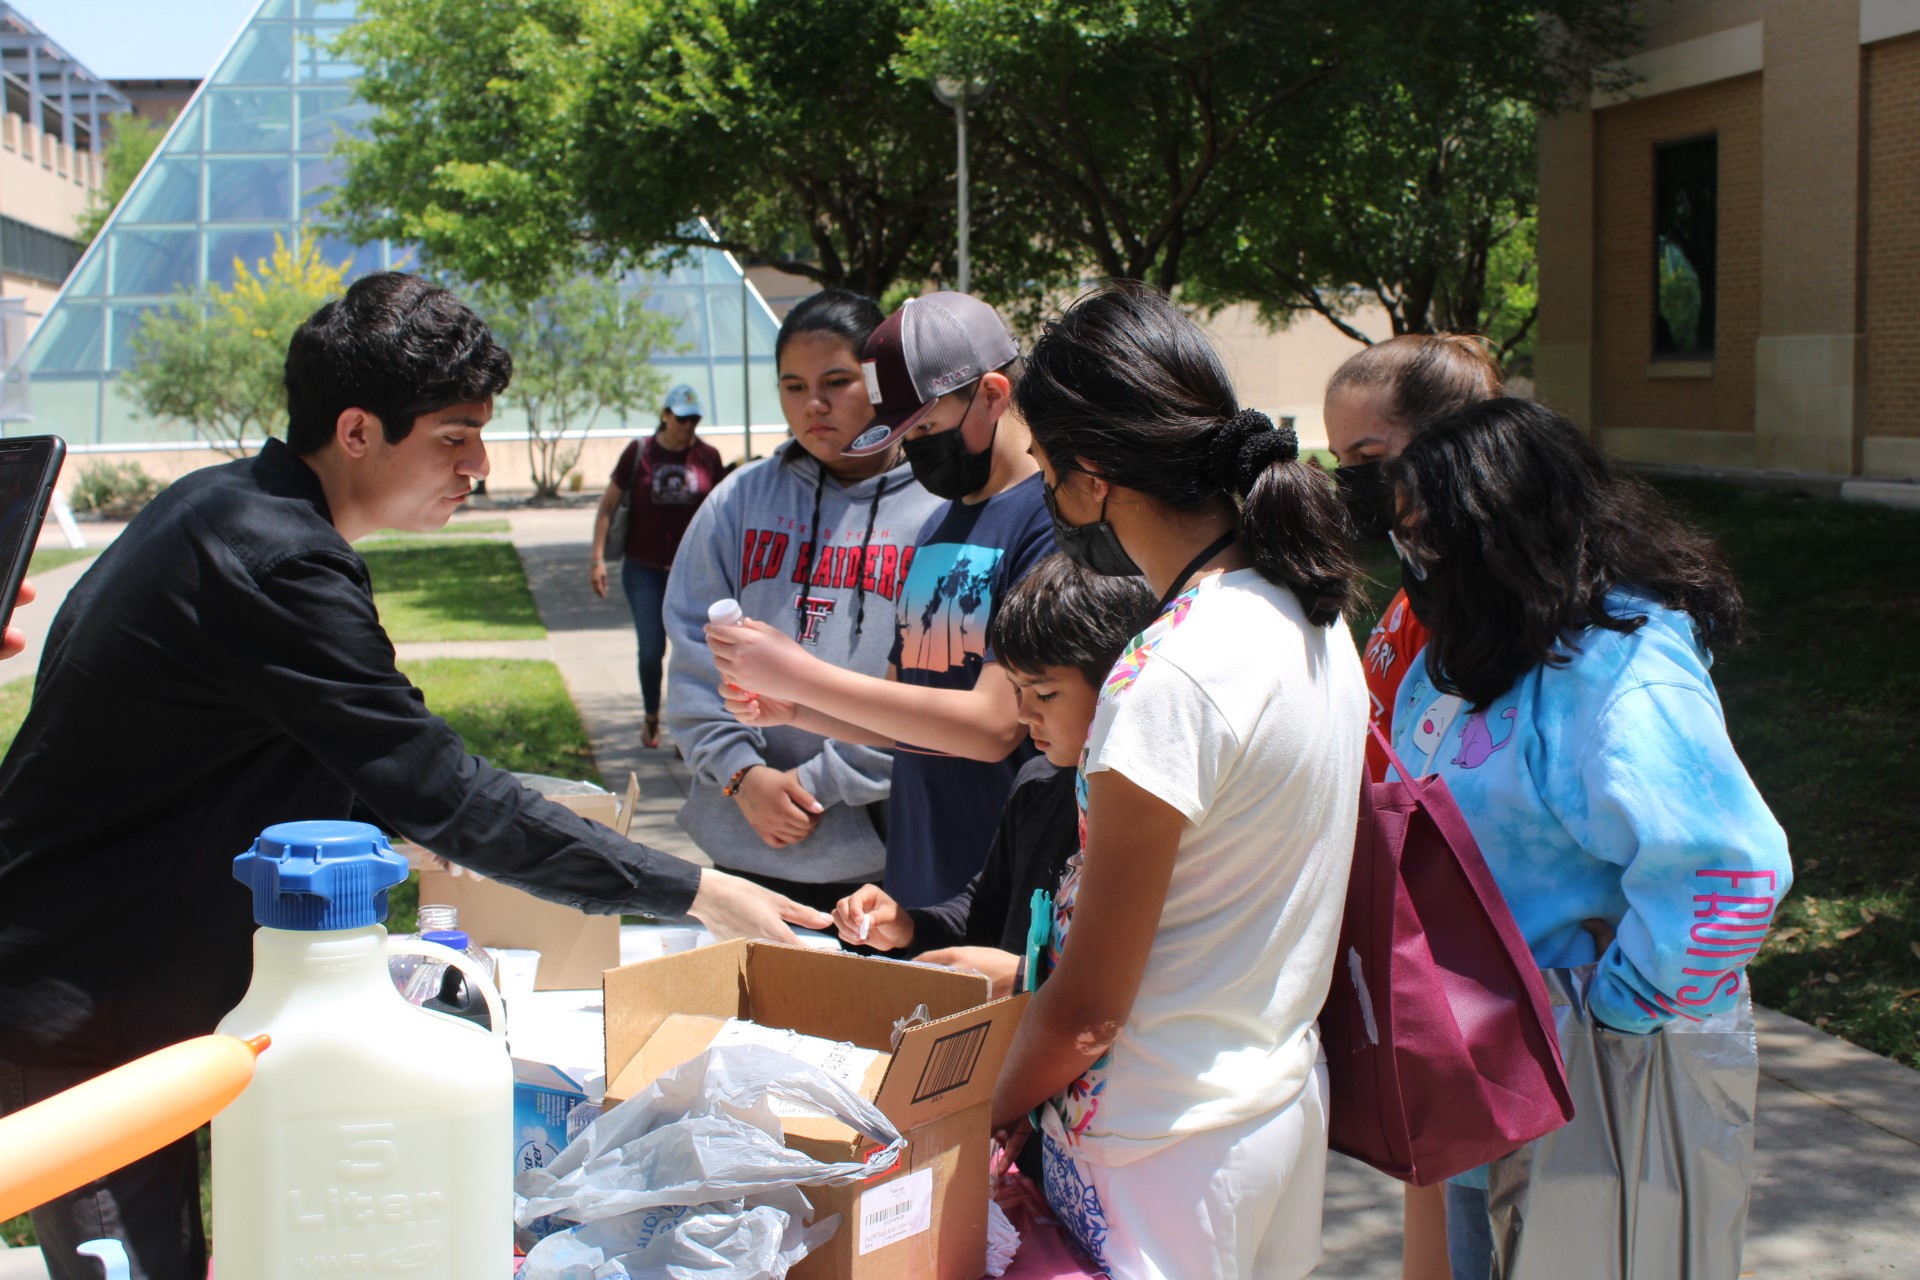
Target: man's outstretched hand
734	908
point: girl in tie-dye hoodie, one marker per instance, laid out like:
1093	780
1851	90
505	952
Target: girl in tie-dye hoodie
1564	698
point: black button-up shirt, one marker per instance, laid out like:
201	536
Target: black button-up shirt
221	668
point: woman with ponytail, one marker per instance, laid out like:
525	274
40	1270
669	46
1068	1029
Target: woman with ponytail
1171	1049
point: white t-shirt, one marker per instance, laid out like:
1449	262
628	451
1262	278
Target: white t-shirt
1250	721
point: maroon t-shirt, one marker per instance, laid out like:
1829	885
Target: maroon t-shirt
668	487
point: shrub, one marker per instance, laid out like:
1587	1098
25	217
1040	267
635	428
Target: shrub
113	489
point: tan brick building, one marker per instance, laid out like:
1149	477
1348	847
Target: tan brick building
1730	245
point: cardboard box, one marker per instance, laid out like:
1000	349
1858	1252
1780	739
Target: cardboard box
926	1219
575	948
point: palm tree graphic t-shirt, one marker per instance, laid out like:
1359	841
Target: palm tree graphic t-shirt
944	809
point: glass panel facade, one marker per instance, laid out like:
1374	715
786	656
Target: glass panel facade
263	55
123	321
249	190
169	192
249	120
249	157
153	261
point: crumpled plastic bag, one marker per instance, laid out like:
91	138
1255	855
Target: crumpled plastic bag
693	1178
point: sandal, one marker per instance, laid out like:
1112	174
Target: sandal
650	732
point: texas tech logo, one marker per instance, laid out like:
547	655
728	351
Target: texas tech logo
815	609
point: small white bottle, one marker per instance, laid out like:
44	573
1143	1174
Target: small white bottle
727	613
378	1139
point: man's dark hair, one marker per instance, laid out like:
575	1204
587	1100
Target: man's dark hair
1061	615
396	346
1523	529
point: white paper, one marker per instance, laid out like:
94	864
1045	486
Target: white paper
896	1210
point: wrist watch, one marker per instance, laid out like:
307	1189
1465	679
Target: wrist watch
733	784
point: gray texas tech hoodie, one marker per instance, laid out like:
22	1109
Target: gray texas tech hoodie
825	562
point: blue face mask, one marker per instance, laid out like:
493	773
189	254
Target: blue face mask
1093	546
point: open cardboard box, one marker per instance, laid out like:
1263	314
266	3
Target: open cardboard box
575	948
925	1219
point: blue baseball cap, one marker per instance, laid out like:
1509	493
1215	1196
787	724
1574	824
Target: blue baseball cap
684	402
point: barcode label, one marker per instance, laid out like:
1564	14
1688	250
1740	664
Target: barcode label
896	1210
951	1063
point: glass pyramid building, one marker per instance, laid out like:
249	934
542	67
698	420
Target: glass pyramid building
249	158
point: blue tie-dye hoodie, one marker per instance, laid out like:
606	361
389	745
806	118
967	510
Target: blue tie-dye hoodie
1608	788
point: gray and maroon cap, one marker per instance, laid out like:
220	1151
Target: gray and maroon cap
930	346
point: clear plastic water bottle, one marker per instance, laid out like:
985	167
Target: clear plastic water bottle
428	976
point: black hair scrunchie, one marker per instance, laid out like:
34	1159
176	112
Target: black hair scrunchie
1244	446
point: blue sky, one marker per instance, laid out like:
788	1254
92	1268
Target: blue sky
140	39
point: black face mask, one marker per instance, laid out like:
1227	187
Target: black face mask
1093	546
945	467
1368	499
1417	583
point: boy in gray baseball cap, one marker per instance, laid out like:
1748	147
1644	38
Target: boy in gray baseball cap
937	372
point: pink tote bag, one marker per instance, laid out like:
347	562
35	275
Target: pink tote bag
1440	1046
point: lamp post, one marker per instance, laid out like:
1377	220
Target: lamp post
962	96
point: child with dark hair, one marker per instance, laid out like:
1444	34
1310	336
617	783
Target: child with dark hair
1058	633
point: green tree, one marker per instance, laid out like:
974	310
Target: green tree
580	349
215	359
1425	208
1174	141
517	140
1299	154
130	144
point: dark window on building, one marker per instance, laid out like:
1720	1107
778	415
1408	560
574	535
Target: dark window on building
1686	230
36	254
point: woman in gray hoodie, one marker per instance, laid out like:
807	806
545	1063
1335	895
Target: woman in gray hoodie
820	543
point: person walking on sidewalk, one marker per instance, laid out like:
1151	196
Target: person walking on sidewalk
222	668
664	479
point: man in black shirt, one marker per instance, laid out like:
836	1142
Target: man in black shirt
221	668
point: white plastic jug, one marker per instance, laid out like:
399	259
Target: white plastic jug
379	1139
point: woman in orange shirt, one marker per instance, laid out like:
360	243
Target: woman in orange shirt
1376	402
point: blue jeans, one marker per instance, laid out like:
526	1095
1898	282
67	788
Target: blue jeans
646	589
1469	1234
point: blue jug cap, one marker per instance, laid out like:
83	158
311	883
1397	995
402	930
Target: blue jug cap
453	939
320	875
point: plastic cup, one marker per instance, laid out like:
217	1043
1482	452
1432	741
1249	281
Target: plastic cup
515	971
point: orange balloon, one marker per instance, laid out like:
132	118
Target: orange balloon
112	1120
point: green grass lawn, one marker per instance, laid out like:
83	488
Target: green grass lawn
452	529
431	589
1824	704
47	559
